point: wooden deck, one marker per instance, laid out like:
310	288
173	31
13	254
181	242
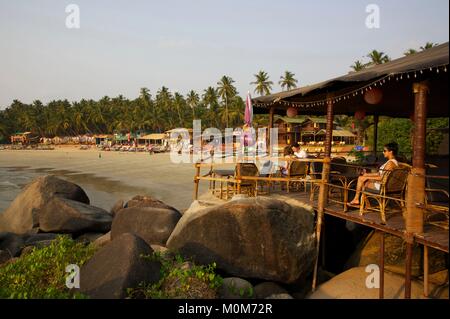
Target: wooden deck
433	236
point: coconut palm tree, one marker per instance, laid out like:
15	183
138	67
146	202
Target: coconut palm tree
263	85
410	51
288	81
226	91
210	101
358	66
428	45
192	100
378	57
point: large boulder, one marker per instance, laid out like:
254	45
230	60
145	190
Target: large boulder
267	289
267	238
147	201
23	213
103	240
62	215
236	288
12	243
351	284
394	257
154	225
117	266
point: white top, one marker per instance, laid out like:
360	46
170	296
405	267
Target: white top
381	172
301	154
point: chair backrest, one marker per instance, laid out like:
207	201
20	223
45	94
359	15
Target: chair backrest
338	164
316	167
297	168
246	169
395	180
267	167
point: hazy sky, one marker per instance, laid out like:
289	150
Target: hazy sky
125	45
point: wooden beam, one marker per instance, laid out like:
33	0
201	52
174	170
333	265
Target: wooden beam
415	197
375	134
271	114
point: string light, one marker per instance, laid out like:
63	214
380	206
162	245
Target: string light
348	95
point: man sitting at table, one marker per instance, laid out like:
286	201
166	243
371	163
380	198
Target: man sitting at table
298	152
372	180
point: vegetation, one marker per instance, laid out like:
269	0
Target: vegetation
41	273
263	85
288	81
180	279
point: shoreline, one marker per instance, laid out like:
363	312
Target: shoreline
153	175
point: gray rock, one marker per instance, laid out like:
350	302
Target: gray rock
147	201
259	237
267	289
4	256
117	206
67	216
154	225
103	240
23	214
236	288
280	296
89	237
12	243
395	254
36	238
118	266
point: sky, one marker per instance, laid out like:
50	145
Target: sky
122	46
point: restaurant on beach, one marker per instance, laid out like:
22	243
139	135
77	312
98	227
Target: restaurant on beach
413	199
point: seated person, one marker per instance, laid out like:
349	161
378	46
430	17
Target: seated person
372	180
283	165
298	152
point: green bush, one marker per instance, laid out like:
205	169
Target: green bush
41	273
180	279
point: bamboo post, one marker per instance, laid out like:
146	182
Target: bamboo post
381	265
196	180
425	271
409	252
269	145
323	192
375	134
415	197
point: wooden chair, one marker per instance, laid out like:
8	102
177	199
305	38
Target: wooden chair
296	174
392	189
247	186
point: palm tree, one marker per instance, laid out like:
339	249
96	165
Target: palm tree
192	100
410	51
210	100
263	85
226	92
428	45
288	81
358	66
378	57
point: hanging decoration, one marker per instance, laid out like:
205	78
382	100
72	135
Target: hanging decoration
373	96
360	115
291	112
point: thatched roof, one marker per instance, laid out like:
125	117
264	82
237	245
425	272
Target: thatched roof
398	99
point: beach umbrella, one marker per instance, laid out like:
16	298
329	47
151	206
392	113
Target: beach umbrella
248	110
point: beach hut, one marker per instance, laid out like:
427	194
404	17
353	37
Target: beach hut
24	138
159	139
413	87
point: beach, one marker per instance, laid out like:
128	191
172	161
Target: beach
105	176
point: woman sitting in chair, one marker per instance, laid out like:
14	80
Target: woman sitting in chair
372	180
